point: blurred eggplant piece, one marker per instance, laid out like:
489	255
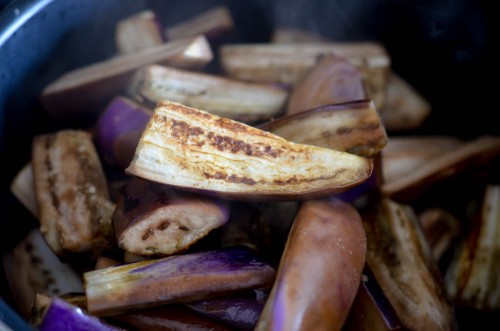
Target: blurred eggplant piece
179	278
32	267
196	150
240	310
84	92
74	208
153	219
405	108
22	187
320	270
167	318
215	24
61	315
353	127
471	155
331	80
287	63
472	276
119	128
371	311
288	35
405	154
441	229
248	102
139	31
402	262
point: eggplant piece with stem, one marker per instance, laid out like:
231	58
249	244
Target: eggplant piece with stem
153	219
193	149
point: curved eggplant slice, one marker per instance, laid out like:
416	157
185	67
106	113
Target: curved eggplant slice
153	219
174	279
354	127
193	149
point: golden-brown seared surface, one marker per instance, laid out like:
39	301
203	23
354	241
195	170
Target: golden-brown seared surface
190	148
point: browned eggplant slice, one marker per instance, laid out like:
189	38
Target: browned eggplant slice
193	149
401	261
222	96
153	219
354	127
74	207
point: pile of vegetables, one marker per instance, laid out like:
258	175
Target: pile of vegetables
277	191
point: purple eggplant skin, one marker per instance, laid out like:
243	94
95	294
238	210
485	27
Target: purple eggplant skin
64	316
179	278
119	128
240	310
167	318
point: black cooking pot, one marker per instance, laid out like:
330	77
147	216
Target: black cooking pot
443	48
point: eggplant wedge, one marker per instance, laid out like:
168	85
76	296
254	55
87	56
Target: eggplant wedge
74	207
222	96
320	270
353	127
193	149
152	219
179	278
403	264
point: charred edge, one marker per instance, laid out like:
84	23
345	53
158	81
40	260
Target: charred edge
185	132
230	178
